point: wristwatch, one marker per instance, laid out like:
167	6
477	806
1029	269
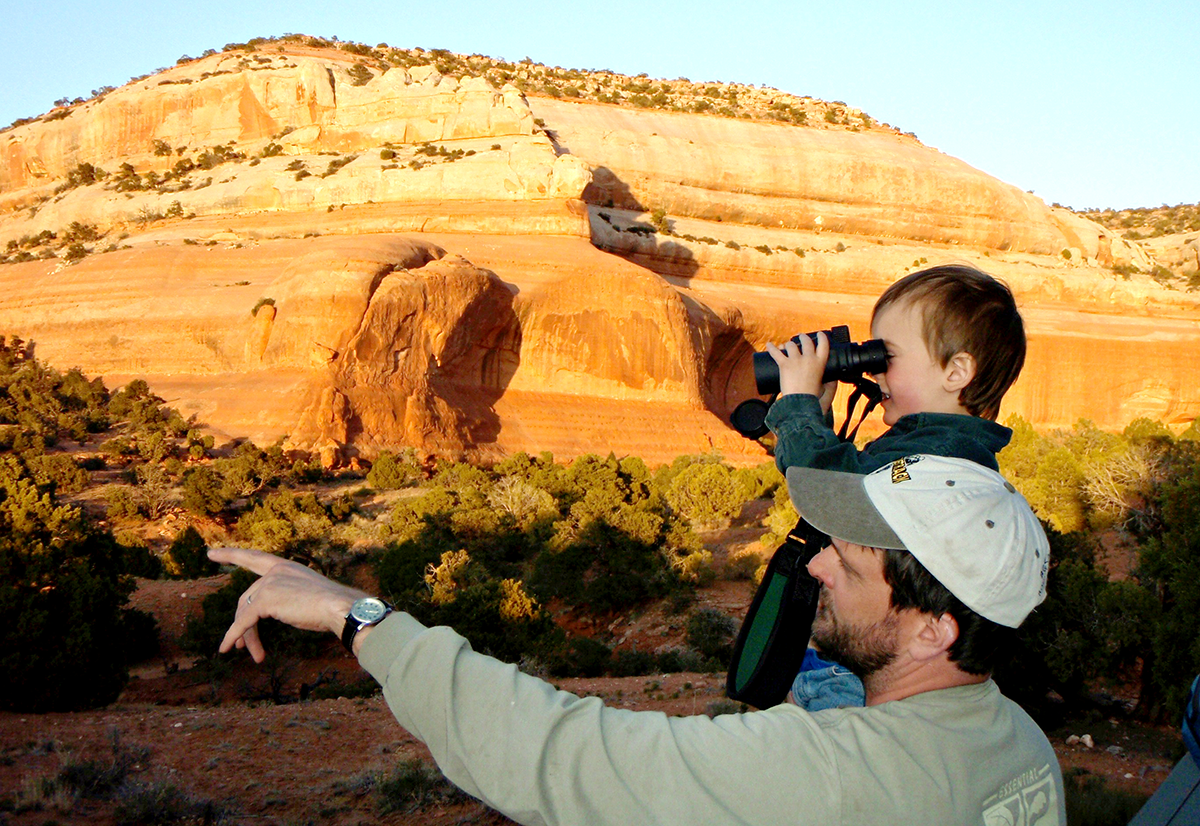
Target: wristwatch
364	612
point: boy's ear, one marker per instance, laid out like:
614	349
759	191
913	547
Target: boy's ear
959	372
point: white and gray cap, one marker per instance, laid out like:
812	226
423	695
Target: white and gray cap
965	523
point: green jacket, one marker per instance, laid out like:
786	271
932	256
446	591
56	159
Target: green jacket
804	438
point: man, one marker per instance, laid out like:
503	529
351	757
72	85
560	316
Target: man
936	743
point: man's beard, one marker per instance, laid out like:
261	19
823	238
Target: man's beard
863	650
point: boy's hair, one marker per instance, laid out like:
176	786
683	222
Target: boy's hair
965	310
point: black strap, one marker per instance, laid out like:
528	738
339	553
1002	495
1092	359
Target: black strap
771	643
863	389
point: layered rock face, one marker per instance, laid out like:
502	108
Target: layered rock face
360	263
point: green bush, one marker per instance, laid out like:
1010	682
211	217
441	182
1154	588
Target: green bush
582	657
707	495
63	590
205	491
283	521
391	471
415	785
162	803
603	569
189	553
141	635
711	633
1090	802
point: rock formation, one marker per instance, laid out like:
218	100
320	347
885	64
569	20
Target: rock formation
293	242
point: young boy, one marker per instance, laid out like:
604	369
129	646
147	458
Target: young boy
955	344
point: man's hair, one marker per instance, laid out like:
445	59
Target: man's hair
980	641
965	310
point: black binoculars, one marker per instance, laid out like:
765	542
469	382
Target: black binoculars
847	361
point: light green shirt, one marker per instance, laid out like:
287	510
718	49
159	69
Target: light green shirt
964	755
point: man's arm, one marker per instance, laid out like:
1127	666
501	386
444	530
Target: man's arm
544	756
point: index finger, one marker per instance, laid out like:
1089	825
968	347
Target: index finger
257	561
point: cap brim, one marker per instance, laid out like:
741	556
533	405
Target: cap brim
836	503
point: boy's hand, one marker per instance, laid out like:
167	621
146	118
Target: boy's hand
801	367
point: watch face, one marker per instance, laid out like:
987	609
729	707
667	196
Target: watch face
368	610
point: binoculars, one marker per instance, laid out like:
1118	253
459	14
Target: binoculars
847	361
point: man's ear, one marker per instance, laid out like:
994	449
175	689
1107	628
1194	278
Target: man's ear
959	372
934	636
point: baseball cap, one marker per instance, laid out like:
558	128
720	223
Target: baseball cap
965	523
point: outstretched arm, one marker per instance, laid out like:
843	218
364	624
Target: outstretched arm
286	591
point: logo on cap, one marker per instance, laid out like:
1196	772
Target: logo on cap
900	469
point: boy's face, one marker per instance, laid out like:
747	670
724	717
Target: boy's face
914	382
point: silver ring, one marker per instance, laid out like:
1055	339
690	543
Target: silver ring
249	599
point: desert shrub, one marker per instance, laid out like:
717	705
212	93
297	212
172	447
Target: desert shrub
539	471
145	411
162	803
204	491
359	74
154	492
757	482
461	478
742	564
603	569
415	785
121	504
141	635
62	592
250	469
582	657
475	609
139	561
658	220
711	632
188	556
336	164
391	470
706	495
365	687
675	660
524	502
58	472
1090	802
629	662
283	520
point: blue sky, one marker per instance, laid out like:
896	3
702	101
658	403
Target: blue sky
1088	104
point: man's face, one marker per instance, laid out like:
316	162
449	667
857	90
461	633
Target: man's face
855	624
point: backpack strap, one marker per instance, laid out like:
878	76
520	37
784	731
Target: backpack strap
774	636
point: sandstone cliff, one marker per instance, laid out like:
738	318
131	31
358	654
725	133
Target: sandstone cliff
296	242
